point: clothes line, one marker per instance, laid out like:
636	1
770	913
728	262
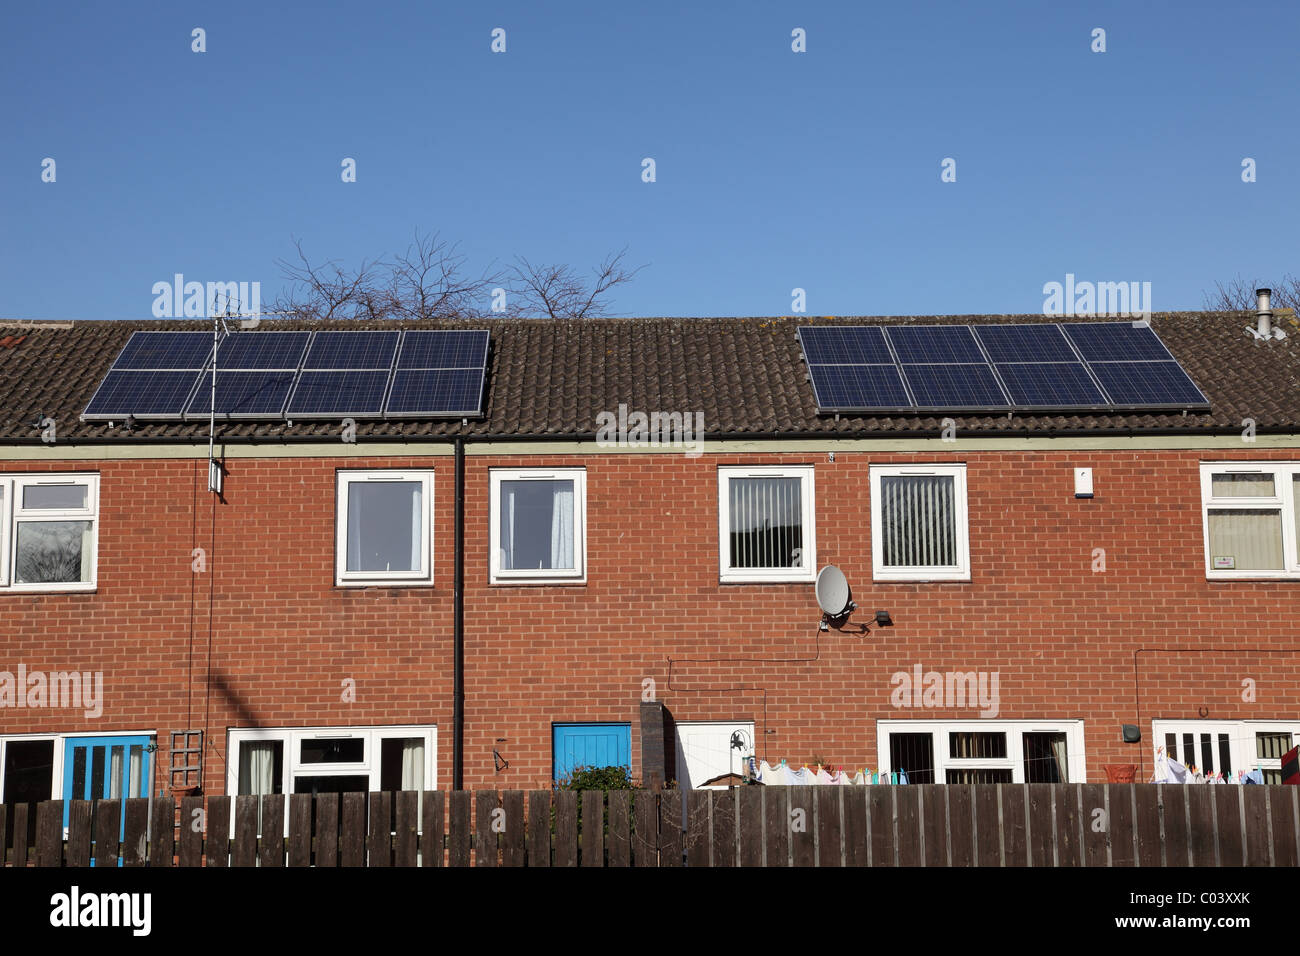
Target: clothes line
782	774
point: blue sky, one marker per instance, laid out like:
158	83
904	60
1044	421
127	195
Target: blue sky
775	170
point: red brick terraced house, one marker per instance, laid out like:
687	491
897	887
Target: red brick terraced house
489	600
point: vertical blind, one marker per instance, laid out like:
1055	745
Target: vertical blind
766	522
918	521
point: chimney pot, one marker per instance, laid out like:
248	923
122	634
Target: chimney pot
1264	312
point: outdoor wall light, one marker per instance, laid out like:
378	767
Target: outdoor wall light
883	619
1131	733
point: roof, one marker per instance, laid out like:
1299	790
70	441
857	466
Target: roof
746	375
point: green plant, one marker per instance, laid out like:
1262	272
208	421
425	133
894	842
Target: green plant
597	778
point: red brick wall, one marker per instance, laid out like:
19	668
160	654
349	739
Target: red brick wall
284	638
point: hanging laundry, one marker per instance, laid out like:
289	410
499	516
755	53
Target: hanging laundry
822	777
1254	776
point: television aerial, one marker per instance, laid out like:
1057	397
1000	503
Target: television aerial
835	598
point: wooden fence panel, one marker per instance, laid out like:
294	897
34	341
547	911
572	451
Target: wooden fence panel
566	828
645	823
619	844
1096	824
857	840
1123	836
1227	812
698	803
1282	806
1255	799
830	852
724	827
1201	843
434	847
352	830
49	833
270	850
135	835
539	828
486	851
512	850
750	802
79	826
776	825
300	829
217	845
1015	836
907	809
406	842
880	817
193	823
1147	824
458	828
802	826
108	819
379	838
244	852
591	843
670	828
1042	830
20	815
327	829
934	824
988	826
1068	841
1173	816
961	825
162	848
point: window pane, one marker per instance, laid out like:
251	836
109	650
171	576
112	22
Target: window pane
55	496
1242	486
401	763
1047	758
766	516
1295	511
1246	540
333	750
1272	746
29	775
918	521
968	744
1225	755
913	753
353	783
384	525
261	766
537	530
974	775
49	552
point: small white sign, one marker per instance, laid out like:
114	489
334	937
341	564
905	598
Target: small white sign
1224	562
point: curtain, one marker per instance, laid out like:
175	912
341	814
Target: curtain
1251	537
115	774
766	522
86	550
256	766
417	525
413	764
562	525
1231	485
1061	756
918	521
1295	509
507	530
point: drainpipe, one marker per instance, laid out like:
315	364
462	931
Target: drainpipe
458	628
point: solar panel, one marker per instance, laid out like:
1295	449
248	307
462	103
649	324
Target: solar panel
336	394
1050	385
253	351
242	394
844	345
946	387
165	351
352	350
439	374
934	344
850	387
152	377
1025	343
1117	342
1148	384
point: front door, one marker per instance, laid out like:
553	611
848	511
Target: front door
591	745
105	768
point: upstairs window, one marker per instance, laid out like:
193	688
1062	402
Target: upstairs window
765	524
538	526
1251	514
918	523
48	532
384	528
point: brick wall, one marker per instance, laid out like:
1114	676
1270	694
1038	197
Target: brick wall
284	639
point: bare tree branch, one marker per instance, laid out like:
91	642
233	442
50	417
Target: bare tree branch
559	292
1238	295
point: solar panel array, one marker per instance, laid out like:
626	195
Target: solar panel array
1073	366
272	375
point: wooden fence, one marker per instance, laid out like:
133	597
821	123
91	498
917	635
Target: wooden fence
927	825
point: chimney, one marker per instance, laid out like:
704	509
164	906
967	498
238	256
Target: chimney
1264	313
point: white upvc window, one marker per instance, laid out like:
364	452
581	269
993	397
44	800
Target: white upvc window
384	525
709	752
766	524
538	526
1226	746
919	528
1251	518
49	532
982	751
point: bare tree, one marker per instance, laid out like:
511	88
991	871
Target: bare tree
1238	295
430	281
559	292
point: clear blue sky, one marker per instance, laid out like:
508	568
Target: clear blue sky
775	170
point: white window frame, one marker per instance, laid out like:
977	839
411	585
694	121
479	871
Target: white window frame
424	576
1014	760
1283	500
575	575
961	520
722	729
12	514
1241	740
61	745
807	570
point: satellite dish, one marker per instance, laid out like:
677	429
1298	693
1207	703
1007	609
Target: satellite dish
833	594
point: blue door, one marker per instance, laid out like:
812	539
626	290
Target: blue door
105	768
591	745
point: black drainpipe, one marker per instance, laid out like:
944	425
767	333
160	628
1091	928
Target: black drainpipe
458	629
